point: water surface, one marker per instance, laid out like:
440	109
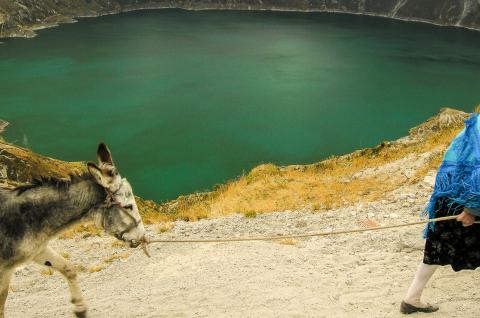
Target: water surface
187	100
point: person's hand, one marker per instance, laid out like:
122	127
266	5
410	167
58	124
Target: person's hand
466	218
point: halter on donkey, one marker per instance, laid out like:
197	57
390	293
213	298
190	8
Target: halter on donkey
31	215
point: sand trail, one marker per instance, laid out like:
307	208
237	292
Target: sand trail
354	275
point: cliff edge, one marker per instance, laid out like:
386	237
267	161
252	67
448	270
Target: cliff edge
350	275
362	176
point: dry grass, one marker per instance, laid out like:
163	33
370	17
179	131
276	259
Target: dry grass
288	242
114	257
118	244
85	229
250	214
328	184
102	265
26	164
65	254
81	268
165	227
96	268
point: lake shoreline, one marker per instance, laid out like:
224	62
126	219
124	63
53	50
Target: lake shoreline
252	76
28	30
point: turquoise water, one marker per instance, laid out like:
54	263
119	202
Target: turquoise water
187	100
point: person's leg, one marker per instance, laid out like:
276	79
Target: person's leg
422	276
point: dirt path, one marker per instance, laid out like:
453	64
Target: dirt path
358	275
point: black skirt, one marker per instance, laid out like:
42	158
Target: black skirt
450	243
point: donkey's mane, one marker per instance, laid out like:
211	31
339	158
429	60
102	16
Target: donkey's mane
46	181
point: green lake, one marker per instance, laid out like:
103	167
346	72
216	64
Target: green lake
187	100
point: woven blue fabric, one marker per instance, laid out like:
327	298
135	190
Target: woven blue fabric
458	177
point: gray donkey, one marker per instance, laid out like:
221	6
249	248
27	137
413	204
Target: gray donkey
31	215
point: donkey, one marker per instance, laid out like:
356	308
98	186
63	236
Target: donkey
31	215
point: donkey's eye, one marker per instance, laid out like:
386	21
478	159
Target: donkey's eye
111	173
129	207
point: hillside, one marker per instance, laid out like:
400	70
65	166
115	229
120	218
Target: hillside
21	18
362	176
353	275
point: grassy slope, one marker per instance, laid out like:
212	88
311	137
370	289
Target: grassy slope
363	175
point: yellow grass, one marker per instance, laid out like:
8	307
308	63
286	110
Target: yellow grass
118	244
65	255
96	268
86	229
288	242
165	227
114	257
81	268
322	186
325	185
102	265
250	214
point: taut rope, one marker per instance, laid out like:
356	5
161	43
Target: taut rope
293	236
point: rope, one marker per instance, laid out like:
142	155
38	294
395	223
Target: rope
294	236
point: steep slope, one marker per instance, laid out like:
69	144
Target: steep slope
22	17
362	176
352	275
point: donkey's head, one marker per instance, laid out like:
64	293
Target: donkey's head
120	215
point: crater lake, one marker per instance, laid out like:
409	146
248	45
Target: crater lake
187	100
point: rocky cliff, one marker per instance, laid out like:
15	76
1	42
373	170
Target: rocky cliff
22	17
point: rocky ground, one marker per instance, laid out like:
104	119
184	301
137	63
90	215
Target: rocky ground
354	275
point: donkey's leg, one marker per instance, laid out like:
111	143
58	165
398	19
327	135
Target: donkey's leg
4	285
49	257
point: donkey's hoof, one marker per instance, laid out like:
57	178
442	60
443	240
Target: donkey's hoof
81	314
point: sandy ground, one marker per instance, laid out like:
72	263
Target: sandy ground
355	275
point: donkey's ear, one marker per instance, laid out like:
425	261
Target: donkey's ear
97	174
103	154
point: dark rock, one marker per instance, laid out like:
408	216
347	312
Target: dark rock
21	18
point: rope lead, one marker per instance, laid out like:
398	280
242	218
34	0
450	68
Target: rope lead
294	236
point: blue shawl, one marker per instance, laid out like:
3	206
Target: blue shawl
458	178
